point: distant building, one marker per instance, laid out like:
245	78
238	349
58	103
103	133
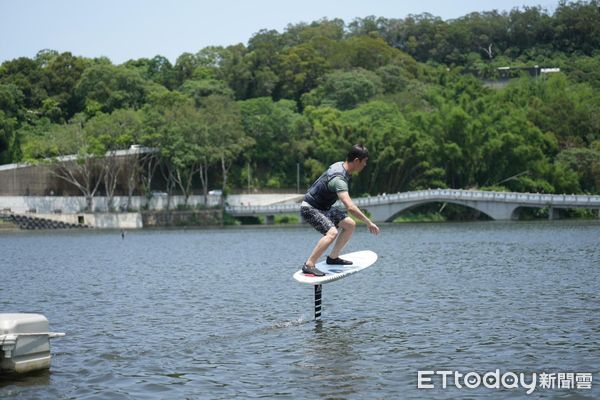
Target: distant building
505	74
38	180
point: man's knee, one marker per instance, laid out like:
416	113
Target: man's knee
348	224
332	233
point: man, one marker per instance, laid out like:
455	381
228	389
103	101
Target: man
316	209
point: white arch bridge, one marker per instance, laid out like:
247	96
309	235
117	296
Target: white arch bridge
496	205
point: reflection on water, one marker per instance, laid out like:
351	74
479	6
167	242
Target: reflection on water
216	313
334	354
36	378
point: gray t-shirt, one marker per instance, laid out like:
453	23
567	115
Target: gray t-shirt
338	184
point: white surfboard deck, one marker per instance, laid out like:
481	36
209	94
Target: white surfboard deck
361	260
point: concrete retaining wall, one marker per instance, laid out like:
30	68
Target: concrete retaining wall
263	199
99	220
77	204
70	210
212	217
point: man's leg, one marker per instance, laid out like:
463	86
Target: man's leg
322	246
348	225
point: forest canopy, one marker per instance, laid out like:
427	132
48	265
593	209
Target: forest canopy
438	103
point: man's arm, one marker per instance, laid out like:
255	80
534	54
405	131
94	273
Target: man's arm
354	210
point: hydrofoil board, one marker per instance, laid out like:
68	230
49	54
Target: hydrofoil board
360	259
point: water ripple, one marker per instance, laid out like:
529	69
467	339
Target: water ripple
215	314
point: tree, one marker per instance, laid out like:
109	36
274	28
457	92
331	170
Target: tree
262	57
576	26
174	126
11	105
184	67
28	77
527	28
72	155
328	140
116	131
585	70
394	78
280	137
367	26
402	157
235	69
158	69
586	163
106	88
300	67
183	148
9	145
199	89
369	52
345	89
568	110
314	32
225	132
63	73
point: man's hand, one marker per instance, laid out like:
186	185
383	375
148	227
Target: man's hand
374	229
354	210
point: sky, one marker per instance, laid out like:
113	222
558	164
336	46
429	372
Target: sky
130	29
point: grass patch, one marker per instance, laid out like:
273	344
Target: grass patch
229	219
287	219
421	217
7	225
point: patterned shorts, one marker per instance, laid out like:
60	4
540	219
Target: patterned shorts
321	220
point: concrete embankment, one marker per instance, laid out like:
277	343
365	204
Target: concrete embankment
8	226
55	212
159	201
211	217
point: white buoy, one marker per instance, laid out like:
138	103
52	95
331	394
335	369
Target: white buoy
25	342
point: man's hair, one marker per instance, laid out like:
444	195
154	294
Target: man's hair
358	151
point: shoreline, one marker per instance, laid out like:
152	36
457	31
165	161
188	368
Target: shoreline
10	230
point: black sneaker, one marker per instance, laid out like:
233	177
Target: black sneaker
312	270
337	261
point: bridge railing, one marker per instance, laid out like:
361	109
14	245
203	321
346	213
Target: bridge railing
458	194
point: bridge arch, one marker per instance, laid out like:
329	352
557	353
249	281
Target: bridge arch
407	207
553	213
495	211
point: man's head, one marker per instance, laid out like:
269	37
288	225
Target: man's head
357	158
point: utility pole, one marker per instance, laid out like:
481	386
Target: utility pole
298	177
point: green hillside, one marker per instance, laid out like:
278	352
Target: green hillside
415	91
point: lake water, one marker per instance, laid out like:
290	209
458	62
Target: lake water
216	314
